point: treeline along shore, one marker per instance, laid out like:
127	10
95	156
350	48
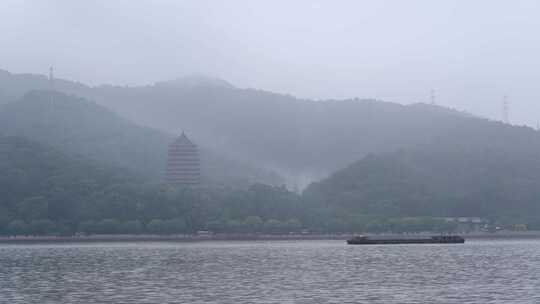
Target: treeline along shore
243	237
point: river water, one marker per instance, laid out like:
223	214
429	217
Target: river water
271	272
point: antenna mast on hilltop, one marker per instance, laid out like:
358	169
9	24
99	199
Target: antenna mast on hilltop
51	78
505	117
51	83
432	96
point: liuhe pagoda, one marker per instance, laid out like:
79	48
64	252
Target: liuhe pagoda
183	165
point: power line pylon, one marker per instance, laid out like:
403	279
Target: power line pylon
506	118
51	78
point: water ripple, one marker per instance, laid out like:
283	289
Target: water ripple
271	272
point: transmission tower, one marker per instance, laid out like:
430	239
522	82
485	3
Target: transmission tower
505	114
51	84
432	96
51	78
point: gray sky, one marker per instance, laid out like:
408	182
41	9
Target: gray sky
470	52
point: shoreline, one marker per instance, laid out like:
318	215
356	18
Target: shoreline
239	237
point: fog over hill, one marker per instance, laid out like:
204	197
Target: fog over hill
303	140
80	127
392	50
361	159
438	180
44	191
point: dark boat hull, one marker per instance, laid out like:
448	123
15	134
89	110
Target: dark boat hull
368	241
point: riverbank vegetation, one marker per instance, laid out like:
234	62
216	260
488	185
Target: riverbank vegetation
44	192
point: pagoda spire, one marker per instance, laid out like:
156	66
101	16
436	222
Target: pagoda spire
183	165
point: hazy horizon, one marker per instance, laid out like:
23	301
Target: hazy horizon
388	50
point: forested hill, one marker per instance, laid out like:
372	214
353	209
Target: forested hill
308	140
79	127
304	139
38	182
43	191
438	180
14	86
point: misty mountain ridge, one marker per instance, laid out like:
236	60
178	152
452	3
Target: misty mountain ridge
303	140
382	159
80	127
14	86
437	181
83	128
195	81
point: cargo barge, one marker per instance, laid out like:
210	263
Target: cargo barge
442	239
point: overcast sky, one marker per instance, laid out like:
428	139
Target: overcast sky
471	52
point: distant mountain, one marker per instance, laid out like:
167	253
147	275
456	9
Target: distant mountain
195	81
14	86
303	140
79	127
484	180
388	160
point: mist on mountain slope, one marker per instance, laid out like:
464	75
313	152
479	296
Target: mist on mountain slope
80	127
302	140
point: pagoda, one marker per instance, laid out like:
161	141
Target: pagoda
183	165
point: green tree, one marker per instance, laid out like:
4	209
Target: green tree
42	227
32	208
5	217
215	226
253	223
108	226
156	226
293	225
17	227
235	226
176	225
87	227
131	227
63	229
273	226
